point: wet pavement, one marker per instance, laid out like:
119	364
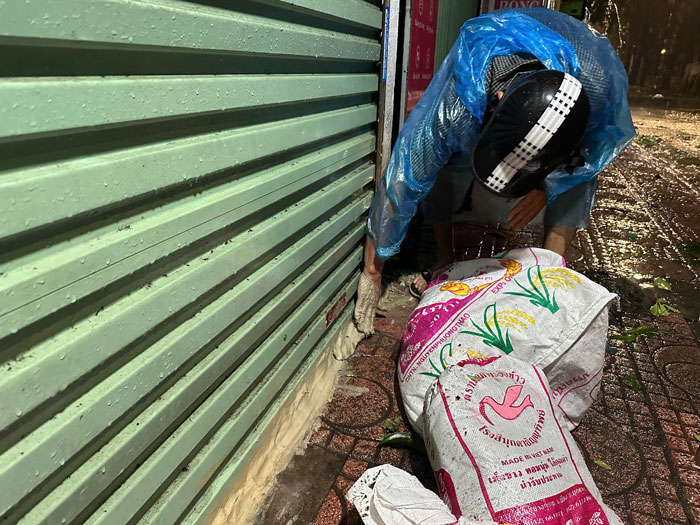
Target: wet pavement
643	424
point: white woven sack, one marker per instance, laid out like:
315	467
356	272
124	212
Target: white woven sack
524	303
499	451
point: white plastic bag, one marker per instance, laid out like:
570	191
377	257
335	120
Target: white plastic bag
524	303
500	452
386	495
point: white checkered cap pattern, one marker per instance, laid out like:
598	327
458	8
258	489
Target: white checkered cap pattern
540	134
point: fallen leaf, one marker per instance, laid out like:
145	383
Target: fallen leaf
658	309
631	383
662	307
631	335
649	141
627	338
602	464
391	425
662	283
697	437
403	440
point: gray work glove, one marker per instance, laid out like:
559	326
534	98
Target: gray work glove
368	295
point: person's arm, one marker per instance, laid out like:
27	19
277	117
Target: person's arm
528	207
373	265
438	126
369	289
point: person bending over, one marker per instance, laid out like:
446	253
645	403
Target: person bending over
530	104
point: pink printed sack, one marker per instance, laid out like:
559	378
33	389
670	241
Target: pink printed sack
523	303
500	453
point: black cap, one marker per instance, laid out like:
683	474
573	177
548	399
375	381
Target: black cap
537	126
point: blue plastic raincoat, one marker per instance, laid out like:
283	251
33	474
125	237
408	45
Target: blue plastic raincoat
448	117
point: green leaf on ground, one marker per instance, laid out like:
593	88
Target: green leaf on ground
662	307
632	236
697	437
403	440
662	283
391	425
649	141
631	383
631	335
602	464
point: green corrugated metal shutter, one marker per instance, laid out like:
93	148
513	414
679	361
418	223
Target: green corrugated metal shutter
184	188
451	15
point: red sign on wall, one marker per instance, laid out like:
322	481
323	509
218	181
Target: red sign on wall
335	310
492	5
422	52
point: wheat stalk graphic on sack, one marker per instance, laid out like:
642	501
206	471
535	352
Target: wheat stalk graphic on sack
516	319
559	278
538	292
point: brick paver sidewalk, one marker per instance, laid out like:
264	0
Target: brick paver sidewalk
644	421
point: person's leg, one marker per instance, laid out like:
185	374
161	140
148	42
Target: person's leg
444	239
445	254
558	238
444	198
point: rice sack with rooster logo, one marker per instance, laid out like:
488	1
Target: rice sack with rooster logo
500	452
522	303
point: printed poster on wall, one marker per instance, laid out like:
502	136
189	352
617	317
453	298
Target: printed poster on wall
422	51
491	5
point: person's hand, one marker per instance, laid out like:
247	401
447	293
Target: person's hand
368	295
527	209
369	289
